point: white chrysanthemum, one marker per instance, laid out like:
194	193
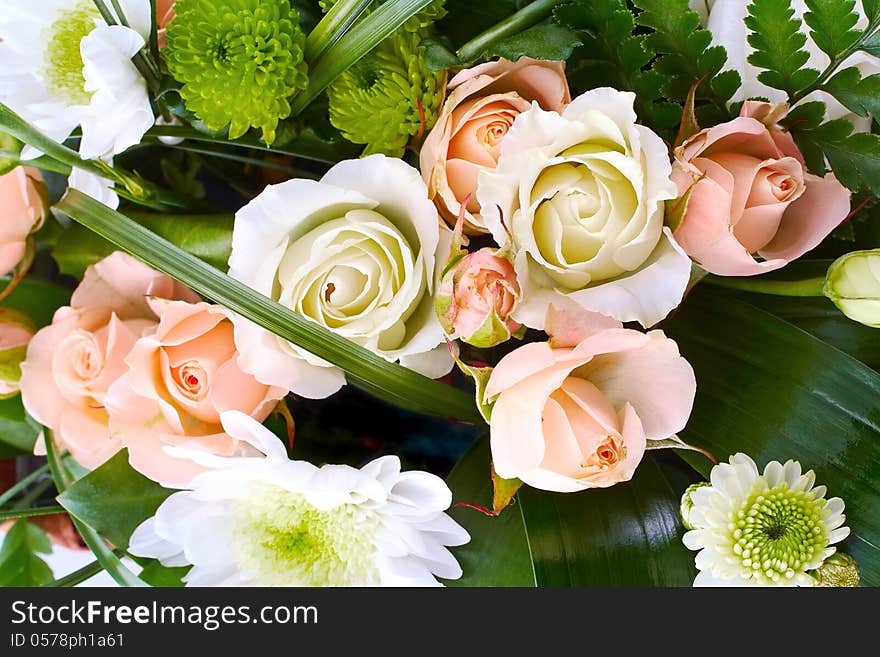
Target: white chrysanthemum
767	529
64	67
273	521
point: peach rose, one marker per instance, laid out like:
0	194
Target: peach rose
744	191
576	412
466	139
16	330
476	298
164	14
24	205
181	377
71	363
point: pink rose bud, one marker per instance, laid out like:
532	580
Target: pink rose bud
483	103
744	191
24	203
476	298
16	330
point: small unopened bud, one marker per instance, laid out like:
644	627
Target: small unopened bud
853	284
16	330
839	570
687	505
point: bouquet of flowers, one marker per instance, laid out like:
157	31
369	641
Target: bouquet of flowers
414	292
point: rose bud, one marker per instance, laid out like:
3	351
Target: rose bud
853	284
476	298
16	330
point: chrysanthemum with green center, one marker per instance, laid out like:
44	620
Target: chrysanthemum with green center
240	62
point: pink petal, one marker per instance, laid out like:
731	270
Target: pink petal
570	326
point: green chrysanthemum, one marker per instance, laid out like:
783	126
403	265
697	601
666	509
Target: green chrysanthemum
389	96
240	62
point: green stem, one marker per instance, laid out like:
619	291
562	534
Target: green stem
31	513
23	484
79	576
154	32
105	556
836	62
524	18
809	287
33	495
334	24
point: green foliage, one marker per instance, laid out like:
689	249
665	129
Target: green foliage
831	25
778	41
858	94
17	434
114	499
546	41
20	564
659	53
773	391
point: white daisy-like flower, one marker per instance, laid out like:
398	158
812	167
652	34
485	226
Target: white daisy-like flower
273	521
769	529
64	67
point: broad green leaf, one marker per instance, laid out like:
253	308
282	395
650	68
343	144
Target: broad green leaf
17	435
155	574
64	478
778	40
114	499
208	237
626	535
498	552
831	25
20	564
366	370
332	26
872	45
773	391
363	36
37	299
872	9
858	94
551	42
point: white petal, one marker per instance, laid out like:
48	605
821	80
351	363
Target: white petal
95	186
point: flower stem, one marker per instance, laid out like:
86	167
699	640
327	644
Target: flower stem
334	24
808	287
831	69
23	484
31	513
524	18
79	576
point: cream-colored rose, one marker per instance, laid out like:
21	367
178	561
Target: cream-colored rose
356	253
853	284
71	363
181	376
581	196
483	103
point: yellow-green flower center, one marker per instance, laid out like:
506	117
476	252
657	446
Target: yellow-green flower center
63	64
779	532
283	540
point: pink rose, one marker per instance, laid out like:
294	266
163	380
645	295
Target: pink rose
744	190
576	412
24	205
16	330
476	298
483	104
71	363
164	14
182	375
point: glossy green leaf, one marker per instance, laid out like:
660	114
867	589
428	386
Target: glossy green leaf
114	499
37	299
208	237
17	435
773	391
551	42
626	535
20	564
155	574
498	552
366	370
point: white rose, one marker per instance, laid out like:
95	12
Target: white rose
356	253
582	194
725	19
